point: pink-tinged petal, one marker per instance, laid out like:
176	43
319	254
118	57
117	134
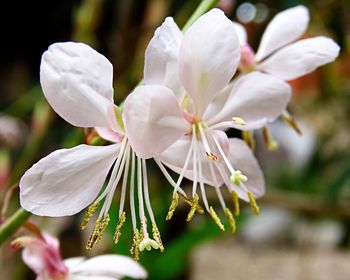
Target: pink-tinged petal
284	28
42	256
66	181
242	158
77	82
241	33
115	266
161	57
209	56
256	98
300	58
109	134
153	120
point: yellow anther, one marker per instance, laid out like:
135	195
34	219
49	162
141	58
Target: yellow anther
173	205
135	245
216	218
287	118
119	227
199	208
235	201
157	238
253	204
231	220
89	213
238	120
194	204
249	139
270	142
97	233
211	156
237	178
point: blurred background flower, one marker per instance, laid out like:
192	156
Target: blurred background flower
304	228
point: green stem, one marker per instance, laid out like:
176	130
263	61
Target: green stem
203	7
13	223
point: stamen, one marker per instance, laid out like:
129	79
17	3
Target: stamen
132	192
135	245
146	192
229	166
237	178
99	228
110	195
231	220
287	118
249	139
235	201
173	205
193	207
125	181
199	208
157	238
89	213
216	218
195	176
168	177
270	142
121	222
201	184
253	204
238	120
209	154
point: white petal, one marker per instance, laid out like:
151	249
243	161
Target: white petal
73	262
256	98
110	266
88	277
153	120
242	158
284	28
67	180
300	58
77	82
161	57
241	33
209	56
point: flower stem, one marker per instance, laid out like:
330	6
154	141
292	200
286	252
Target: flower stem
203	7
13	223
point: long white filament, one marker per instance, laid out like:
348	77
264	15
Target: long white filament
187	160
194	186
140	198
146	192
132	191
125	181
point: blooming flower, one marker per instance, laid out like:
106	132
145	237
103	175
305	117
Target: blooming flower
279	55
180	115
43	256
77	82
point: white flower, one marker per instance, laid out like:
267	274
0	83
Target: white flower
77	82
279	54
43	256
187	103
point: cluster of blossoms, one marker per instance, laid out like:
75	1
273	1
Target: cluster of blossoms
192	93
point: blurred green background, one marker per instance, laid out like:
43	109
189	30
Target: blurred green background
304	228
